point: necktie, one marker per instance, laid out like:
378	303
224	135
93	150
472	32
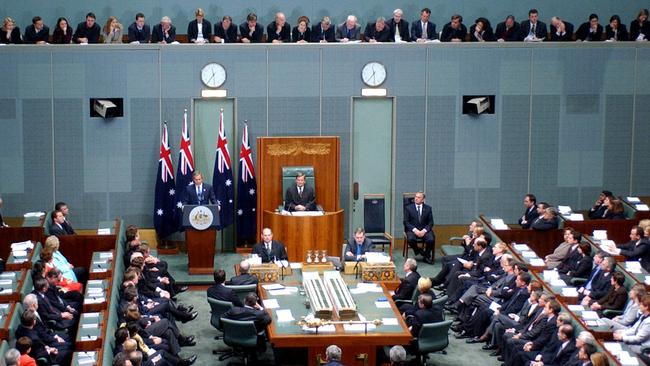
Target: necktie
539	317
419	212
300	191
588	285
349	33
424	30
532	29
397	30
530	311
268	248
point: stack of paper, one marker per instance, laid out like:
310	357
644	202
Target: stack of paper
564	209
537	262
103	231
34	214
600	234
642	207
273	286
633	199
376	257
589	315
529	254
576	308
284	315
358	328
271	303
85	358
558	283
614	347
389	321
627	359
521	247
22	246
498	224
105	255
633	266
575	217
550	275
569	292
330	328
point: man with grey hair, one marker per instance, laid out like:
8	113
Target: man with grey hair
399	28
409	283
333	354
377	32
244	278
547	220
418	227
164	32
278	30
599	282
397	356
348	30
12	357
323	32
30	302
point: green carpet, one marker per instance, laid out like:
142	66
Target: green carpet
458	352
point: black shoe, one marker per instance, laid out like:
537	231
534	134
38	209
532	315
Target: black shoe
496	353
500	358
462	335
489	347
187	341
180	289
187	361
428	260
456	328
473	340
190	316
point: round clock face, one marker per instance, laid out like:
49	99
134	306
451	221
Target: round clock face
213	75
373	74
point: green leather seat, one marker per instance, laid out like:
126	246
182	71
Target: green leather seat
241	336
289	177
433	337
242	290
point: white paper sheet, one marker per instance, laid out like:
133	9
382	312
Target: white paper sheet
358	328
103	231
529	254
295	265
589	315
632	199
494	306
537	262
389	321
280	292
642	207
330	328
382	304
271	303
564	209
522	247
600	234
576	217
578	308
273	286
284	315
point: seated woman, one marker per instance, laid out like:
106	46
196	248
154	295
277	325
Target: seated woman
9	33
481	31
112	32
301	32
424	287
66	285
63	32
637	335
615	298
614	210
580	268
70	272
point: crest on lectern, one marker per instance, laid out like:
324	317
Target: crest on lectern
201	217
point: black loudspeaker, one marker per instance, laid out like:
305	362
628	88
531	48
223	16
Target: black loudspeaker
107	107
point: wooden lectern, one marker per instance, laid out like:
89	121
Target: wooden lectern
200	222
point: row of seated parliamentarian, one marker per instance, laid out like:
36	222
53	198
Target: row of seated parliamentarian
606	299
395	29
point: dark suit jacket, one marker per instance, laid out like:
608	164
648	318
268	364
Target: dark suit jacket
57	230
597	213
256	37
278	251
352	246
157	34
600	285
307	199
516	302
487	34
411	220
534	326
582	268
584	33
549	330
59	38
540	30
542	224
284	35
379	36
553	358
524	319
191	197
530	215
570	261
405	289
242	279
297	36
620	35
416	31
403	26
449	33
84	32
342	32
193	30
636	29
637	252
508	35
610	215
482	261
142	36
38	346
229	35
14	37
566	37
317	33
615	299
68	228
31	36
242	313
419	317
223	293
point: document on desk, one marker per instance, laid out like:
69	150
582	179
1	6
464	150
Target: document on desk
613	347
578	308
642	207
382	304
600	234
330	328
271	303
358	328
576	217
105	231
389	321
633	199
529	254
537	262
627	359
273	286
280	292
284	315
522	247
589	315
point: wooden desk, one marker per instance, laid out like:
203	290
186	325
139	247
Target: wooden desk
78	249
638	215
29	230
352	344
302	233
6	320
617	230
542	242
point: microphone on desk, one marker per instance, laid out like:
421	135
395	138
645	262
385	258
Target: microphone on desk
356	265
275	260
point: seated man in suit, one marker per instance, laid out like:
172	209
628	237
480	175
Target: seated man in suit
88	31
63	207
300	197
454	31
58	220
251	310
37	32
199	193
410	281
40	349
590	31
65	319
599	207
599	281
323	32
526	220
423	30
348	30
616	297
220	292
637	249
508	30
139	31
548	220
532	29
425	313
30	302
333	356
558	351
250	31
244	278
268	249
164	32
199	30
399	28
357	246
561	30
278	30
377	32
418	225
225	31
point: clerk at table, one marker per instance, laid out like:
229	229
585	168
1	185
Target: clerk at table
357	246
300	197
268	249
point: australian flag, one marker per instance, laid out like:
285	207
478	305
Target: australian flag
222	181
165	201
184	171
246	193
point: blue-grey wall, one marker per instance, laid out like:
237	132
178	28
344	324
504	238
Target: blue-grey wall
182	11
571	119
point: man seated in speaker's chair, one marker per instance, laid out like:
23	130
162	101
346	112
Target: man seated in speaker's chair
357	246
300	197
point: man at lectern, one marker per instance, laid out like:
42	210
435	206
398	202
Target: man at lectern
268	249
357	247
300	197
199	193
